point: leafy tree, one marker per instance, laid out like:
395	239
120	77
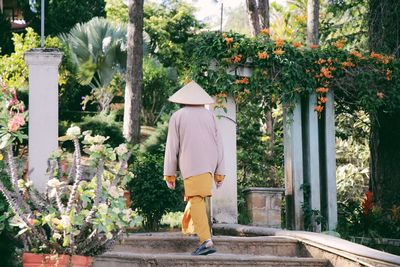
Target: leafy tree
384	31
346	19
158	85
169	26
62	15
97	48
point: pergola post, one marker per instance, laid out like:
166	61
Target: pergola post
293	150
329	190
224	200
312	156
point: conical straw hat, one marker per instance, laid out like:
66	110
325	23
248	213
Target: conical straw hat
191	94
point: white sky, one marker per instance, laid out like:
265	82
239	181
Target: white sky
212	8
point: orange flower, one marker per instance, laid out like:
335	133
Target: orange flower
347	64
320	61
388	74
245	80
264	31
356	54
237	58
296	44
323	100
326	73
339	44
278	52
386	60
319	108
279	42
263	55
376	55
228	40
367	203
313	46
380	95
321	90
247	91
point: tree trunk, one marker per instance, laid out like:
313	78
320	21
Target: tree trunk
253	16
263	12
385	158
134	72
312	22
384	32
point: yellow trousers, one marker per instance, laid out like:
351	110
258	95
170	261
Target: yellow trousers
195	220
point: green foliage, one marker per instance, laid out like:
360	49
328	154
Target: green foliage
98	50
71	11
346	19
150	195
263	167
169	26
6	46
158	84
290	21
105	125
116	10
282	71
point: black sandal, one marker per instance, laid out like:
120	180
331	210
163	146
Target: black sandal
203	250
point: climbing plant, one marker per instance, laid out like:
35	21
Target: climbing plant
281	71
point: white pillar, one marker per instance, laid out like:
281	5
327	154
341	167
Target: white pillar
224	199
293	150
43	111
330	157
313	157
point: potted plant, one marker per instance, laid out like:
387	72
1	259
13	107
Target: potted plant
80	214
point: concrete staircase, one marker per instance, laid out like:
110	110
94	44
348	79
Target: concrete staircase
173	249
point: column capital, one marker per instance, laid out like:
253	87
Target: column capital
43	56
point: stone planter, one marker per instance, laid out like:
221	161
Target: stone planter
264	206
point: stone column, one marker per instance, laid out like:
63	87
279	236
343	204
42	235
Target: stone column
43	111
329	190
293	150
312	157
224	199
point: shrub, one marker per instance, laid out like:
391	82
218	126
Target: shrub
149	193
105	125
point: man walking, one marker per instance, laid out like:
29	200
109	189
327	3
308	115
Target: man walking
194	145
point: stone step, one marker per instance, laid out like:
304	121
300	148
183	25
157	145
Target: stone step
129	259
177	243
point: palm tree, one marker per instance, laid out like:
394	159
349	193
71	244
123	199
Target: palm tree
98	49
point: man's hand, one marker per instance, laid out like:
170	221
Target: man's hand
170	180
219	179
171	185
